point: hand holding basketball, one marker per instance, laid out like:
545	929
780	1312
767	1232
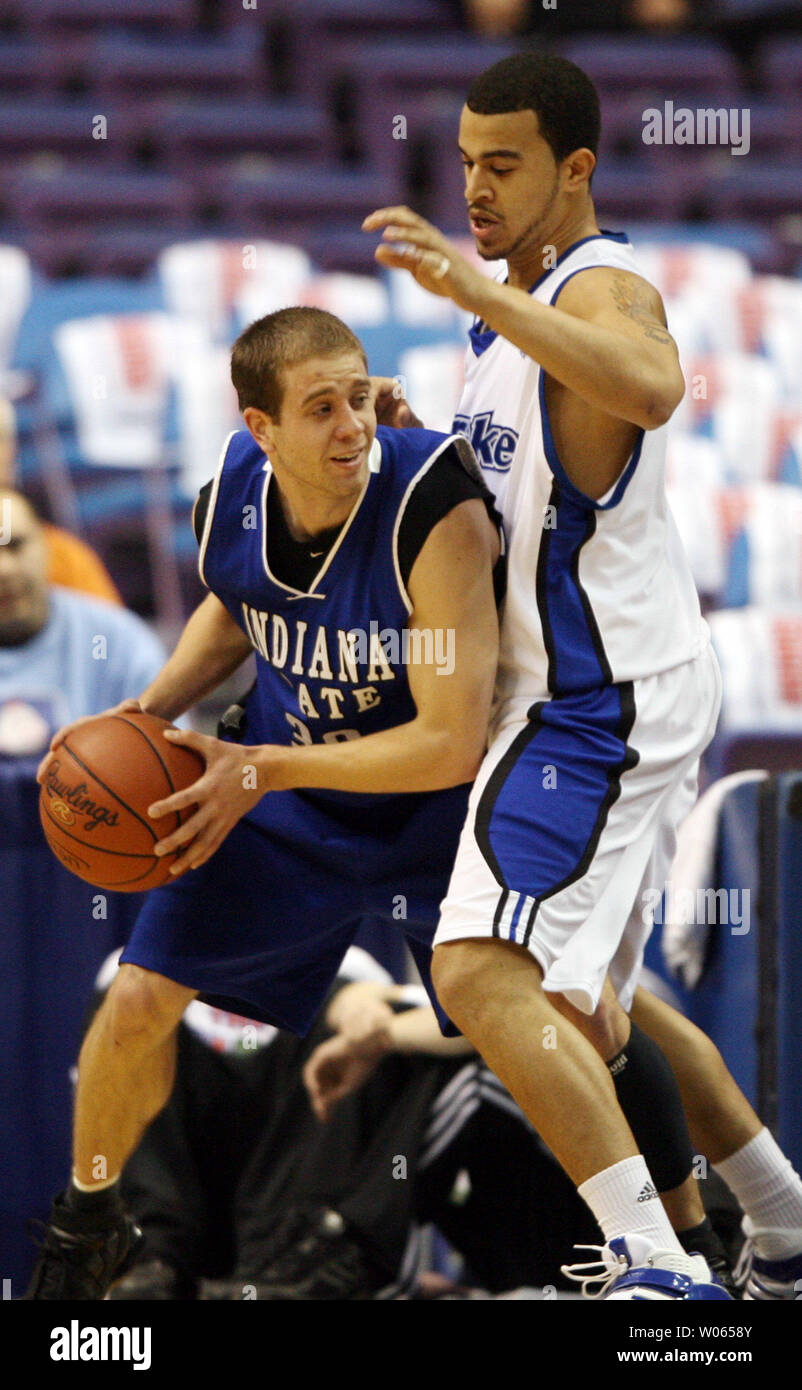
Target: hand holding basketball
229	787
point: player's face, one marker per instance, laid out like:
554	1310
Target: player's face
512	184
23	572
326	427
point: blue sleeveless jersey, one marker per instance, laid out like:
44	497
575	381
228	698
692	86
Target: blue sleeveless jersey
332	663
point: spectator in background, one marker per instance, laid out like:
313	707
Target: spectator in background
62	654
70	562
509	18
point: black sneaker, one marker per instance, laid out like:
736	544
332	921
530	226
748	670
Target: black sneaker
80	1258
152	1281
329	1262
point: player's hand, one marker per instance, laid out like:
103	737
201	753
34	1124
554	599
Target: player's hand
363	1018
411	243
391	407
229	788
59	737
333	1072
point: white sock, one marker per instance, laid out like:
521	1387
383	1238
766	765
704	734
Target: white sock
770	1192
613	1197
94	1186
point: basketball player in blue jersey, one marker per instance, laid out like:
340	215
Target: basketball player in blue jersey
357	563
607	694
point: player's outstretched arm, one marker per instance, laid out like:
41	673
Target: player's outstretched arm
606	340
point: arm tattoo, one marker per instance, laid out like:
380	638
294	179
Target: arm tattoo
632	300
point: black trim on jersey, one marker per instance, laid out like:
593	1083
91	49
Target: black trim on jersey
200	510
487	801
630	759
541	597
442	488
593	626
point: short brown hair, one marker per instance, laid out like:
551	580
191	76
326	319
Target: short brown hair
280	340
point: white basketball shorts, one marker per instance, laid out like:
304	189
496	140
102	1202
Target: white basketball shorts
573	817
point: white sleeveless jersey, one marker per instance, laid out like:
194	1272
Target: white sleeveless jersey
598	592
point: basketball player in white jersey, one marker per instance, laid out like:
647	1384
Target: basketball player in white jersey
607	694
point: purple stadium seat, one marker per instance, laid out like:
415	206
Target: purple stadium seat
659	187
216	126
90	14
27	64
32	126
327	22
74	195
663	69
385	79
124	64
780	63
765	191
269	199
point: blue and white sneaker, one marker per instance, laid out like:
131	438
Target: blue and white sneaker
767	1280
633	1267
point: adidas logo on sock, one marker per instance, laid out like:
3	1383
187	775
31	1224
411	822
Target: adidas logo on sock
648	1193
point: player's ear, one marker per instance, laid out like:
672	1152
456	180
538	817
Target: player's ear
260	426
578	168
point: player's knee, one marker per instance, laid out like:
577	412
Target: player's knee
469	976
454	975
142	1006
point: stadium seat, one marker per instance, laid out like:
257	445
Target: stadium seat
203	281
760	653
53	15
188	132
63	126
766	190
16	284
682	67
267	195
668	187
74	195
432	380
780	65
136	65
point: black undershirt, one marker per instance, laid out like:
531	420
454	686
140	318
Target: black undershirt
443	487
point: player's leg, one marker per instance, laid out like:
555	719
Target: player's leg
125	1074
493	990
125	1071
648	1094
725	1128
553	864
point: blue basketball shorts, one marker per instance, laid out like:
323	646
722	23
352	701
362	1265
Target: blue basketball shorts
261	927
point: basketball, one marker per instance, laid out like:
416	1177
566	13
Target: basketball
94	801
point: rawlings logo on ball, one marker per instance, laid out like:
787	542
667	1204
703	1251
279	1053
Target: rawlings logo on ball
77	799
61	811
